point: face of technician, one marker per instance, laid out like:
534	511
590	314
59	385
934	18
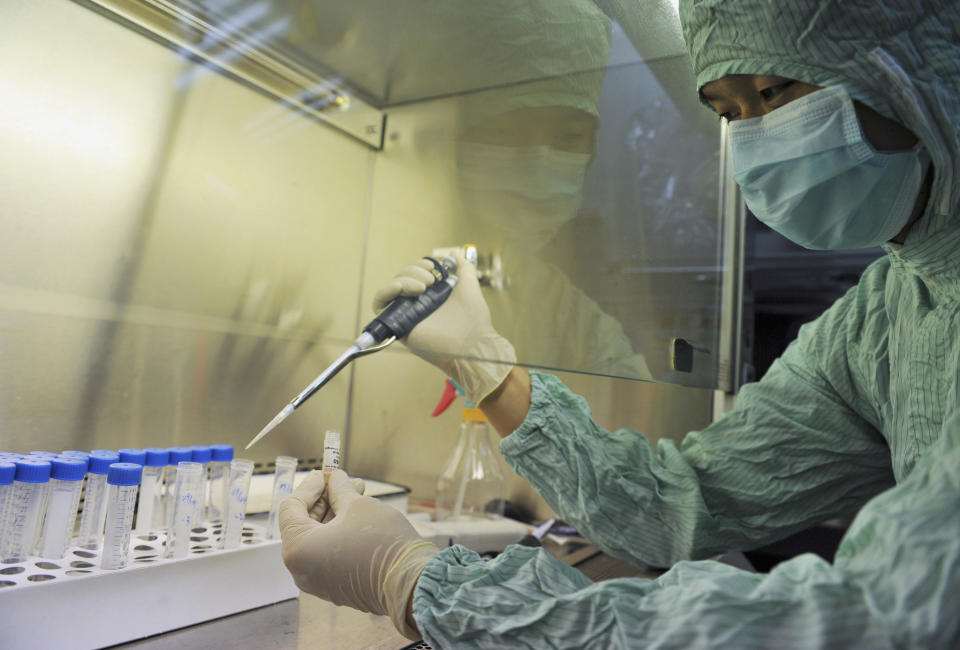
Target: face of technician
736	98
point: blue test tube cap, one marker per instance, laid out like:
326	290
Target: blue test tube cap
85	461
222	453
44	454
68	469
102	451
32	470
9	456
7	472
125	474
157	456
75	452
130	455
100	462
179	455
201	453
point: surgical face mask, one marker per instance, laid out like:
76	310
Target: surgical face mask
806	171
525	193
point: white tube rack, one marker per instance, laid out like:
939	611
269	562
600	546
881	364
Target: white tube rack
72	603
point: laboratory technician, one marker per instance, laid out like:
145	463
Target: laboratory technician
844	126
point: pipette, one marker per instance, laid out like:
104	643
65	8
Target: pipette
394	322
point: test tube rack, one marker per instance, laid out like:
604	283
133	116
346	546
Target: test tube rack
72	603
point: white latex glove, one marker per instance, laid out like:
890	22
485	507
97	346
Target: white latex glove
366	556
459	337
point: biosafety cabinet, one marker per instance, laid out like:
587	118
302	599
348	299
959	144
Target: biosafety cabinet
200	198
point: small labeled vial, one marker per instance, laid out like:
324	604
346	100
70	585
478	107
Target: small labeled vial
123	481
177	456
66	479
241	470
149	511
220	458
94	512
282	487
7	471
188	507
331	451
25	511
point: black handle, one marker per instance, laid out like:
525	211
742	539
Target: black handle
404	313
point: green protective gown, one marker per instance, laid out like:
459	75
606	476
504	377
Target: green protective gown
860	416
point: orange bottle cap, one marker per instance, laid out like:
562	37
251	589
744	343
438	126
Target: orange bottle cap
473	414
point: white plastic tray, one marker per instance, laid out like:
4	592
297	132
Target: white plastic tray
71	603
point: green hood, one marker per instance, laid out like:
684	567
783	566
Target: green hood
900	57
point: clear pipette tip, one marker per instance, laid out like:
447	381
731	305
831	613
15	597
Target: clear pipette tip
280	417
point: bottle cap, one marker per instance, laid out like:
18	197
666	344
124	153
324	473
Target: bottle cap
157	456
222	453
10	456
74	452
32	470
101	460
201	453
135	456
124	474
68	469
179	455
103	451
472	414
44	454
7	472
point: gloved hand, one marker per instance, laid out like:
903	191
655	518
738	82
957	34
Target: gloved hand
366	555
459	337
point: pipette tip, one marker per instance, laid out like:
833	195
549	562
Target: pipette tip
280	417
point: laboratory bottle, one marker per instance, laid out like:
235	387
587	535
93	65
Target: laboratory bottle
25	511
188	507
471	483
177	456
7	471
220	457
203	454
282	487
149	506
241	471
123	480
94	511
66	479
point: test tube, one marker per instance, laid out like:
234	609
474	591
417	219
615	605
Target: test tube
25	510
282	487
149	507
331	451
221	455
7	471
177	456
202	454
66	479
241	471
188	504
90	533
122	482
